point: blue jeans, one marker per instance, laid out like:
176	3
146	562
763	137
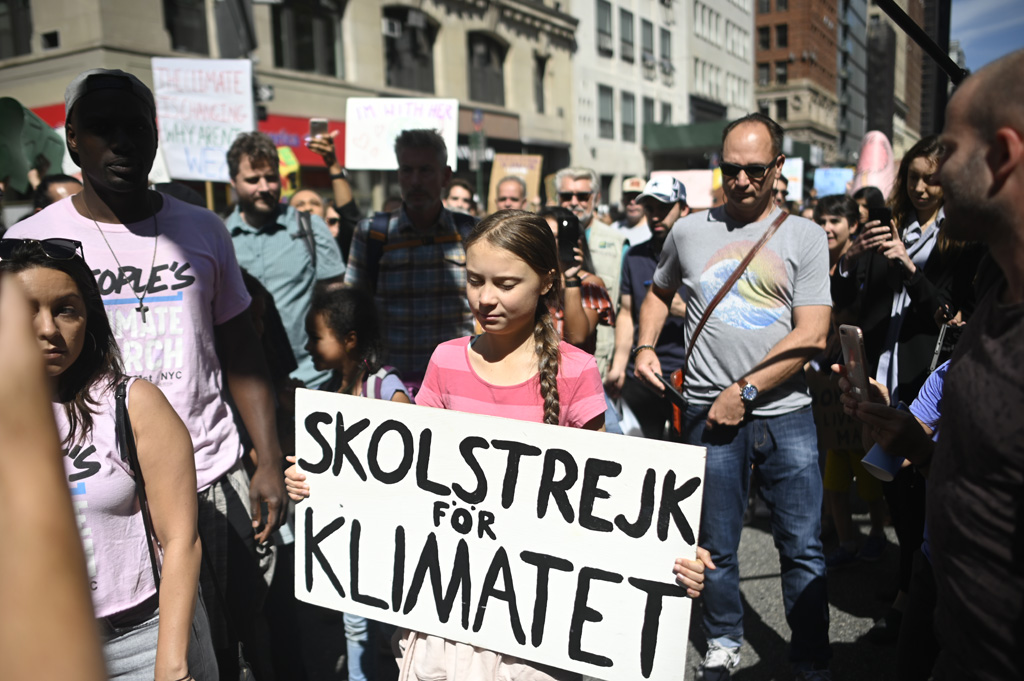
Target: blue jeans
783	451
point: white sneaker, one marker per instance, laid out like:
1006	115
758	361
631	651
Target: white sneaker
717	662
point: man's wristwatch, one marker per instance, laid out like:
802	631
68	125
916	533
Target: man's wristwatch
748	393
341	175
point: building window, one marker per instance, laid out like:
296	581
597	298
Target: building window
486	69
782	35
540	67
628	117
15	28
648	110
781	5
764	38
763	74
666	52
626	34
409	49
781	69
666	113
606	112
764	6
763	110
781	110
185	20
306	36
647	42
604	27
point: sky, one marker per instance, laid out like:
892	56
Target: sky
987	29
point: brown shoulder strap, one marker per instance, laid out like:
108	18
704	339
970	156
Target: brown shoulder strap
733	278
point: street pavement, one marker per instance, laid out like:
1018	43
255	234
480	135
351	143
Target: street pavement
854	605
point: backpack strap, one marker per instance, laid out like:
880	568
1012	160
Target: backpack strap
306	232
376	241
126	443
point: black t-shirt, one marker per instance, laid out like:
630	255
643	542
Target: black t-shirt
637	272
976	500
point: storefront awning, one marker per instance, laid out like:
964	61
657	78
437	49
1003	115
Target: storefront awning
683	138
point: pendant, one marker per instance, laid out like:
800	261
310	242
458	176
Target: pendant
143	309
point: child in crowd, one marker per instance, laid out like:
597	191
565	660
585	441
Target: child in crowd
517	368
344	337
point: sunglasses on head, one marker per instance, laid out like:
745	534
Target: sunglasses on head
754	171
54	249
566	197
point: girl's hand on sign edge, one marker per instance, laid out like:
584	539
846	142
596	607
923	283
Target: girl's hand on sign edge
294	481
690	572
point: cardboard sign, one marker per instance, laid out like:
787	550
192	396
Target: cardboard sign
525	166
372	124
793	170
201	106
551	544
836	429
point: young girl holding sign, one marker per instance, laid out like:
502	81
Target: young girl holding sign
344	337
517	368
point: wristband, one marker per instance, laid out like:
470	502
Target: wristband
574	282
637	349
343	175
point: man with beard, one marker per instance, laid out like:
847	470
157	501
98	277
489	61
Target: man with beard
287	253
579	191
179	310
976	477
748	400
663	201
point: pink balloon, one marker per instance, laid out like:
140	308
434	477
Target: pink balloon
876	166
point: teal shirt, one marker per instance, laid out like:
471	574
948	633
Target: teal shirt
278	257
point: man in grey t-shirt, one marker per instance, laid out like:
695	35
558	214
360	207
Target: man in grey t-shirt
748	404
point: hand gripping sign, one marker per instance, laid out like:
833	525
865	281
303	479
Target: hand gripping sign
551	544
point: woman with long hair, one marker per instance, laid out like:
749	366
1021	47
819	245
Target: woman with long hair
150	631
908	278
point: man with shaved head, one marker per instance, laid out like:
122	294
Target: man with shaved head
976	482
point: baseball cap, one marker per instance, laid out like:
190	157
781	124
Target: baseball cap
632	184
664	188
107	79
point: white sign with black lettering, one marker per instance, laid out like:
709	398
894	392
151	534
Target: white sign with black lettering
554	545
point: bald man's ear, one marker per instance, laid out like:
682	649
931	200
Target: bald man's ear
1005	155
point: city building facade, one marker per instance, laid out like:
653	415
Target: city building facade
508	62
895	66
853	79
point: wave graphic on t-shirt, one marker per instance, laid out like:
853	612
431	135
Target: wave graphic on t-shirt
753	302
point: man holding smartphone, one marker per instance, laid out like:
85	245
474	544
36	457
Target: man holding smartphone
748	401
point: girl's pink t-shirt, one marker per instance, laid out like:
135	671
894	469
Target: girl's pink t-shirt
451	383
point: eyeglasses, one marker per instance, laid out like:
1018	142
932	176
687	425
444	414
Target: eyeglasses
782	193
629	197
55	249
331	222
582	197
755	171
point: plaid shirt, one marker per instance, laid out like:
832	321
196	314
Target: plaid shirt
420	290
593	297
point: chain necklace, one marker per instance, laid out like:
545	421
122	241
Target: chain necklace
142	307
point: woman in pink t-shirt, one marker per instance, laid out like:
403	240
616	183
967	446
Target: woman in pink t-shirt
147	635
517	368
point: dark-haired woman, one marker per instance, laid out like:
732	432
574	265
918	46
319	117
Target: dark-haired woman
147	634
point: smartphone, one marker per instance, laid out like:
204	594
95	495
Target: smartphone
672	392
852	340
317	126
568	240
883	215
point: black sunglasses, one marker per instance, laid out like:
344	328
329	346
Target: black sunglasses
55	249
331	222
754	171
566	197
629	197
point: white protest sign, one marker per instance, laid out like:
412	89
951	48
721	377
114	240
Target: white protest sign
201	106
550	544
372	124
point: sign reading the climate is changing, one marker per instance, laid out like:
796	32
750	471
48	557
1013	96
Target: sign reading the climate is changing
201	106
551	544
